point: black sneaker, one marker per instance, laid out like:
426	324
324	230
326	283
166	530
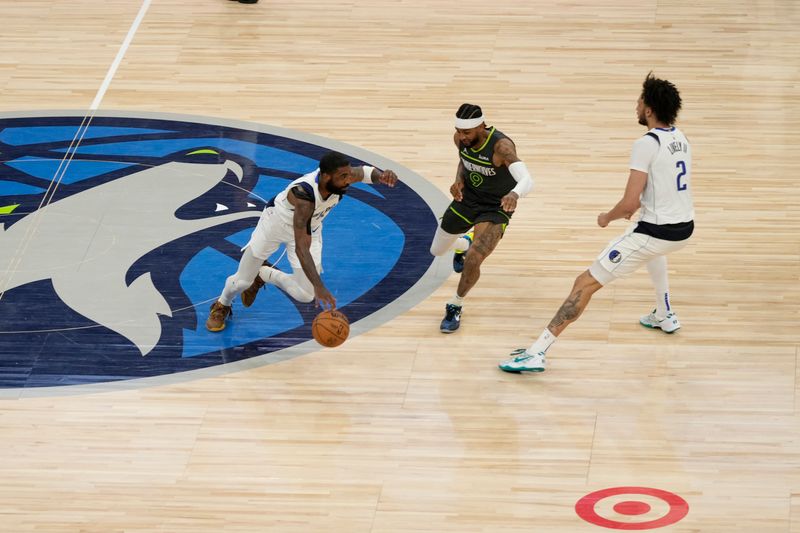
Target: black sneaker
452	318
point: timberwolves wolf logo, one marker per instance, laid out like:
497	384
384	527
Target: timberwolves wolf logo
115	238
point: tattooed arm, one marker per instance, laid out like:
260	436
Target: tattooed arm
303	210
505	153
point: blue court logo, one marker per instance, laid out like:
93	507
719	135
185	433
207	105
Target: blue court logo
116	238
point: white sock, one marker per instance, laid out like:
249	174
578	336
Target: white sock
545	340
657	267
456	300
462	244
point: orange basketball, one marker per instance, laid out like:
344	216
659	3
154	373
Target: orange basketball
330	328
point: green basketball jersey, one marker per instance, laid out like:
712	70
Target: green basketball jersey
485	184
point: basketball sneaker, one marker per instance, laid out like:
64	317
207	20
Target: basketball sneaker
217	316
248	295
452	318
522	361
670	324
458	256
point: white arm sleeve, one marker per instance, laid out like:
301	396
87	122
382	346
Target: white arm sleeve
644	150
367	173
524	180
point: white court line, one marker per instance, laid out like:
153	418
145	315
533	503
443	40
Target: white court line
71	150
117	60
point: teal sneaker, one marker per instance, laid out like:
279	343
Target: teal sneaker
458	256
670	324
522	361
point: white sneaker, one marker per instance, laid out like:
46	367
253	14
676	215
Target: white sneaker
670	324
522	361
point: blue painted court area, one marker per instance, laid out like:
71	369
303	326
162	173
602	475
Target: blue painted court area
375	247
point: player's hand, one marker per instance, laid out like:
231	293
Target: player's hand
509	202
456	190
388	178
324	298
602	220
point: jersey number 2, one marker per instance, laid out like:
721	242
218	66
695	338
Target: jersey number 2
681	165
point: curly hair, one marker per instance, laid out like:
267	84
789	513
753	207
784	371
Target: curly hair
662	97
331	162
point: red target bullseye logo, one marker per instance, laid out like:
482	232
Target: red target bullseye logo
678	508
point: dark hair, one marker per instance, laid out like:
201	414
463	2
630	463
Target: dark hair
469	111
662	97
332	161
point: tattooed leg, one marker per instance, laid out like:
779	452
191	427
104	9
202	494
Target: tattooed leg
583	289
487	235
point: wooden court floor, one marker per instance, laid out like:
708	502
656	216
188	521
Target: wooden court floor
403	429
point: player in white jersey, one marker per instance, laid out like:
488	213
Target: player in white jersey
660	184
294	218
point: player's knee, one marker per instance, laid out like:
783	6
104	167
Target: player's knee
580	279
441	246
585	281
304	291
304	296
475	256
237	284
442	242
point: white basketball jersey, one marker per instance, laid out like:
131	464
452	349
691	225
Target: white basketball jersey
667	197
309	182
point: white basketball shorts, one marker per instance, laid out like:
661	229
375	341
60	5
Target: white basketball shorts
271	231
627	253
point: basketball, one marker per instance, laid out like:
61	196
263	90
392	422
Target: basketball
330	328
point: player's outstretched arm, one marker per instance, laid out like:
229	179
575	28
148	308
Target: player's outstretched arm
386	177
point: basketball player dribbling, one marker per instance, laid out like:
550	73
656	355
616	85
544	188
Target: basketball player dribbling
294	218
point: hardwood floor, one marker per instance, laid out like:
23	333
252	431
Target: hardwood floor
402	428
